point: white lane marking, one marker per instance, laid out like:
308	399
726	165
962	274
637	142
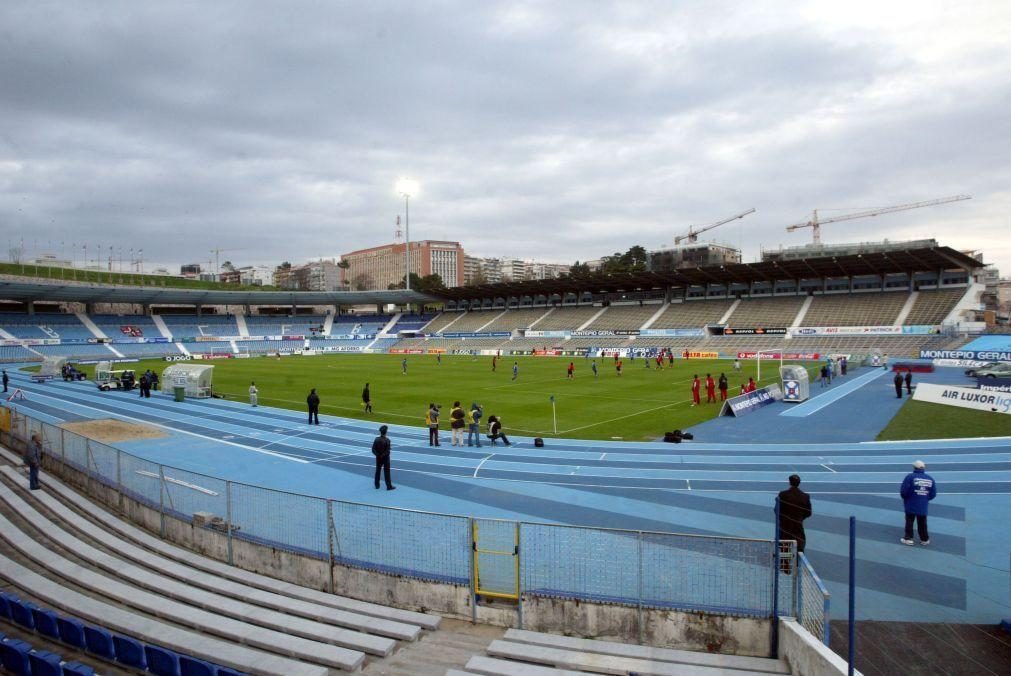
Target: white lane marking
480	464
601	456
829	468
172	429
178	482
689	482
283	439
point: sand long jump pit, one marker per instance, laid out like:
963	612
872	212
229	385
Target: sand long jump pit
110	430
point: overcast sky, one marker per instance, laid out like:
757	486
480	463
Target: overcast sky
548	130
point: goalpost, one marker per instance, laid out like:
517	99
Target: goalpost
767	354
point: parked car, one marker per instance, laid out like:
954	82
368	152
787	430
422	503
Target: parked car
995	371
971	372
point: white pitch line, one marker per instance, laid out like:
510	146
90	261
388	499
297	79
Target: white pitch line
172	429
481	464
623	417
178	482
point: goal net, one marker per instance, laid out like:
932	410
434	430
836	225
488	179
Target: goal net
51	366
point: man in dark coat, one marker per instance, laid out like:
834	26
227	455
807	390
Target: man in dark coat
909	383
898	384
381	449
33	458
6	380
313	402
917	490
367	399
794	507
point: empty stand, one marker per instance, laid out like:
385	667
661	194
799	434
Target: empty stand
932	307
766	312
515	319
570	318
623	317
857	309
692	314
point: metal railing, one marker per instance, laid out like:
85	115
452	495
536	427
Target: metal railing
509	559
812	599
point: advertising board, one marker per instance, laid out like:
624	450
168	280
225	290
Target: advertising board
752	401
964	397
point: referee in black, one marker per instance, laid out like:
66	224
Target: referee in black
381	449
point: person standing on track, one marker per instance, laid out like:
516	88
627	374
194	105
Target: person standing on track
909	383
367	398
6	380
897	381
696	387
794	507
724	385
313	402
710	389
456	424
918	489
252	393
474	425
381	449
432	420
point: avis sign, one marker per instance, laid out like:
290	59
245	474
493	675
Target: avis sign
964	397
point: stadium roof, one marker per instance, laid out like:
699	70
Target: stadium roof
879	263
18	289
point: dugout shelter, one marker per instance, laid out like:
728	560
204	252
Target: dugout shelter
197	379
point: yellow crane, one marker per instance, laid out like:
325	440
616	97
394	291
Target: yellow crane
693	234
815	223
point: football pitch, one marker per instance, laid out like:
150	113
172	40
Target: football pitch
641	404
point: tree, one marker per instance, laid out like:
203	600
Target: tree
362	282
633	260
579	269
431	282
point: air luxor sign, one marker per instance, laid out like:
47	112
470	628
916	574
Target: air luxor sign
964	397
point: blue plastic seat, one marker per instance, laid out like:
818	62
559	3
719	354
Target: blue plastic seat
44	663
130	652
165	662
5	605
14	654
191	666
45	623
77	669
225	671
72	632
21	613
99	642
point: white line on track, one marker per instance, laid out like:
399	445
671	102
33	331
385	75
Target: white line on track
178	482
601	456
480	464
689	482
829	468
167	427
283	439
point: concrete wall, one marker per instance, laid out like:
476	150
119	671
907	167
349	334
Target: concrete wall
805	654
660	628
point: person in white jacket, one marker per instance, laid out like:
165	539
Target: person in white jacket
252	393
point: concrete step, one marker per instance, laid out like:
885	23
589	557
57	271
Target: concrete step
756	664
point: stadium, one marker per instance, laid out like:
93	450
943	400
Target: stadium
191	531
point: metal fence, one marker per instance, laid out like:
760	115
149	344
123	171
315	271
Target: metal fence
507	559
812	599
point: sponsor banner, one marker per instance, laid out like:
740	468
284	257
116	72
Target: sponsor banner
547	353
436	350
846	331
404	350
209	339
691	354
964	397
994	384
99	361
974	355
920	330
752	401
84	341
242	355
592	334
777	355
960	363
292	337
205	355
177	357
756	331
156	340
520	352
488	353
545	334
693	333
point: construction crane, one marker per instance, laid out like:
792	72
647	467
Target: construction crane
815	224
217	258
693	235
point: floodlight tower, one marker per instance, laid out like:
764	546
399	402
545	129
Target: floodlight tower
407	187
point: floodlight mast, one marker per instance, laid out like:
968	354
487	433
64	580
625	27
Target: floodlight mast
407	187
693	235
815	224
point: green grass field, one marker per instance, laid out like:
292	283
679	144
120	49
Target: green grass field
923	420
640	405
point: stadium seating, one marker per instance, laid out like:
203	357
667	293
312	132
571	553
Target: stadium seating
264	346
83	351
412	322
766	312
146	350
623	317
192	326
283	325
692	314
16	353
118	326
515	319
441	322
570	318
858	309
44	325
472	321
209	347
932	307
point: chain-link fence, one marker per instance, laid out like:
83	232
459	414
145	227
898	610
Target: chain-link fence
812	600
701	573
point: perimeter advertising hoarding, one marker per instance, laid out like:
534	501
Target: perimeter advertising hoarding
689	354
777	355
752	401
545	334
984	355
994	384
465	334
759	331
964	397
689	333
406	350
917	330
594	334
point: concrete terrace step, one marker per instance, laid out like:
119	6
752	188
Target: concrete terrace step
224	587
195	643
294	591
604	664
489	666
756	664
198	598
158	606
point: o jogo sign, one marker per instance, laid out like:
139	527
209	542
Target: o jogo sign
964	397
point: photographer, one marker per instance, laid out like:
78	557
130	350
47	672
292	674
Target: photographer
432	420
